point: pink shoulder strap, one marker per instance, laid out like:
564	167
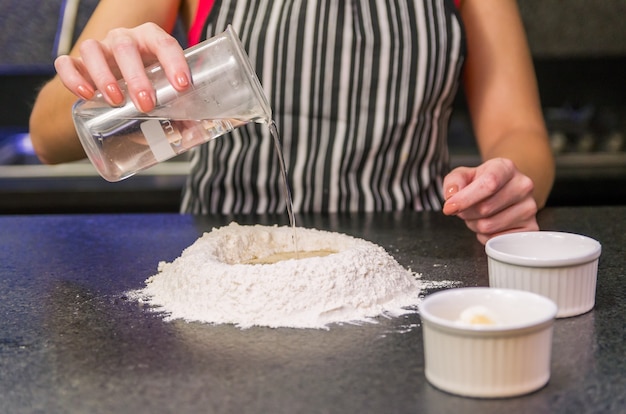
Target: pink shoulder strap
195	31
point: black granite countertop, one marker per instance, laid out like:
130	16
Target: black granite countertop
71	342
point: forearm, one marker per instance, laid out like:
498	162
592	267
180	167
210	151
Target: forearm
51	127
502	93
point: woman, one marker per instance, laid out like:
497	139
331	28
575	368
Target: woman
361	93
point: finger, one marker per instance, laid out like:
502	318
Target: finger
170	54
519	216
72	77
514	191
457	179
489	178
97	65
484	238
129	60
452	183
478	190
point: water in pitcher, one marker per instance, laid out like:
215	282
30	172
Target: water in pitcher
132	144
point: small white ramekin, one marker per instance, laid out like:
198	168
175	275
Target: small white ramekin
561	266
505	359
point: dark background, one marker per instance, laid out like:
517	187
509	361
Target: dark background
579	51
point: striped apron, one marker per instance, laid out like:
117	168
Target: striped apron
361	92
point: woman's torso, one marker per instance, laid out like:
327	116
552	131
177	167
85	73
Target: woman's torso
361	93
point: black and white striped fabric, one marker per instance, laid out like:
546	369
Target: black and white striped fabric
361	92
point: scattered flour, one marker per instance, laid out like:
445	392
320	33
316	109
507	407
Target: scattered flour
209	282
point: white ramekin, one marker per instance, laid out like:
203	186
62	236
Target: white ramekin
505	359
561	266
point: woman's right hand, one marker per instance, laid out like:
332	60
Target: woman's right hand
124	53
93	65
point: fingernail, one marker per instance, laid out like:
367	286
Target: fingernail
452	190
146	101
183	80
450	209
85	92
114	93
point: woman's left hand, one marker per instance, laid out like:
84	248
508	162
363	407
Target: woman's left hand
492	199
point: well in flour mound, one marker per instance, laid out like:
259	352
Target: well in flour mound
211	282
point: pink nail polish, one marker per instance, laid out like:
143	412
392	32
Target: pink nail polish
146	101
451	209
84	92
114	93
183	80
452	190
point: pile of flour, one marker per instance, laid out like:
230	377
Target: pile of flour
209	282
